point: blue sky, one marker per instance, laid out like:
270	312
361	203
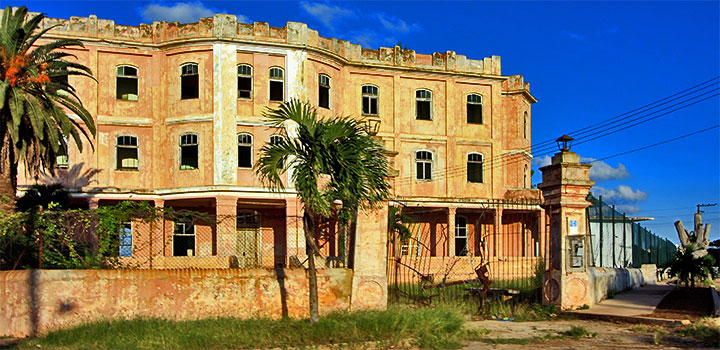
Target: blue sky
586	62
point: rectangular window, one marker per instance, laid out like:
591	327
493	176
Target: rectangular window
189	81
245	143
126	83
61	158
127	153
423	165
324	91
125	235
423	104
370	100
461	237
277	82
188	152
474	172
184	238
244	81
474	109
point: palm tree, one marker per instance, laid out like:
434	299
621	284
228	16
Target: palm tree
34	100
687	267
331	160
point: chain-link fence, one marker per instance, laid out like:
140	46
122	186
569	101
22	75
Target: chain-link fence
620	241
143	237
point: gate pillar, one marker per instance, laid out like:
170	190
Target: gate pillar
369	283
565	186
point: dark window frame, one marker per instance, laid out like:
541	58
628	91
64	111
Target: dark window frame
421	98
189	75
274	80
188	142
461	249
475	163
245	71
125	143
245	142
324	91
125	244
181	229
126	76
423	165
474	103
370	93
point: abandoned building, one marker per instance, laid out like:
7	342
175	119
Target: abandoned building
179	112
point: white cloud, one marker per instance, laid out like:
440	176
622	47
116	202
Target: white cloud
325	13
395	24
621	194
183	12
627	208
542	161
602	171
243	19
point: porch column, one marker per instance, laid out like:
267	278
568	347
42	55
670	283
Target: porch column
93	203
497	242
159	245
226	227
542	239
451	231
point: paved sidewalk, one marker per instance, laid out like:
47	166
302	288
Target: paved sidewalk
630	306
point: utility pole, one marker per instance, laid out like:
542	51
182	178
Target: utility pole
704	205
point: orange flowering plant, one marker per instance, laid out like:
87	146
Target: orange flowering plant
35	99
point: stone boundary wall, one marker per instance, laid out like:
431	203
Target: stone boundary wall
38	301
604	281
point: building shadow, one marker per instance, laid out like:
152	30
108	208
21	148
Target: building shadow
75	177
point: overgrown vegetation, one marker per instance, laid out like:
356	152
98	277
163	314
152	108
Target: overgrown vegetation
426	328
46	236
704	331
689	268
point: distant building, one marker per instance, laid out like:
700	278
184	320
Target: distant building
179	114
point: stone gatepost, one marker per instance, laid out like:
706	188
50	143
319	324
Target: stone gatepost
369	284
565	186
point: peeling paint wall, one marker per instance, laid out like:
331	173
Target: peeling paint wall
39	301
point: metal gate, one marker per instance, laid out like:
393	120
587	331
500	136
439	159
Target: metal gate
468	255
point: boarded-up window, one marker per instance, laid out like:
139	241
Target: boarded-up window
189	81
474	109
423	104
189	152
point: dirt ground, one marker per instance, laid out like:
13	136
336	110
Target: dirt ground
607	336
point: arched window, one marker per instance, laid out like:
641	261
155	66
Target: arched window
189	152
189	81
474	109
276	140
126	150
277	84
370	100
475	164
126	83
525	126
324	91
423	104
461	236
244	73
245	146
423	165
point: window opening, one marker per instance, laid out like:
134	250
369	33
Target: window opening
474	109
61	157
423	104
475	167
184	237
277	84
127	153
244	73
189	81
189	152
423	164
370	100
324	91
461	236
125	235
245	151
525	128
126	86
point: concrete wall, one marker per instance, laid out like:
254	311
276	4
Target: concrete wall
38	301
604	281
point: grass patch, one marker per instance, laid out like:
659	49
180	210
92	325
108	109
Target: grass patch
426	327
702	331
523	311
576	332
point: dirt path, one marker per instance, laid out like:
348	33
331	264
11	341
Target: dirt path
608	336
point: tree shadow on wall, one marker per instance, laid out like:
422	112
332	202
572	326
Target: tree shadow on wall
72	178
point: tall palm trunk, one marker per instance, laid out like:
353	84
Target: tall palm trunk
8	178
309	228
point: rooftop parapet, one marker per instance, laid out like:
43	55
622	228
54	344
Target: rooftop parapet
226	27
